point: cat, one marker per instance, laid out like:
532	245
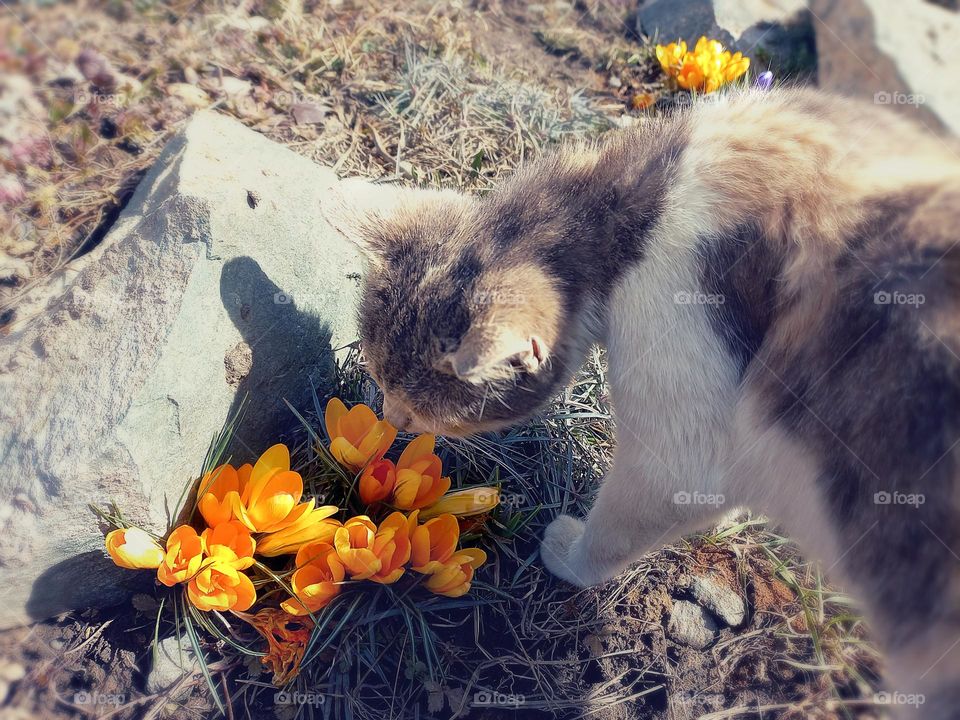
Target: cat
776	278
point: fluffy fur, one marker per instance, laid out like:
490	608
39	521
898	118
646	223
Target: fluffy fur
775	276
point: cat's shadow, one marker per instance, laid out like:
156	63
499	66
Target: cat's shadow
284	355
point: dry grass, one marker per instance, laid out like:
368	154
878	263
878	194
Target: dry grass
453	94
442	94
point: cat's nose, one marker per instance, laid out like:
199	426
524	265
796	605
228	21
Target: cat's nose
401	421
396	414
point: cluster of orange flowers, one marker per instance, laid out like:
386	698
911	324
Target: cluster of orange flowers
708	68
259	510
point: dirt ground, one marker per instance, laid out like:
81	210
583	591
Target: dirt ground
454	94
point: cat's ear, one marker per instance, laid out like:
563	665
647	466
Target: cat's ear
364	212
489	354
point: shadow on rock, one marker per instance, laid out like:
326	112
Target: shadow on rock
284	353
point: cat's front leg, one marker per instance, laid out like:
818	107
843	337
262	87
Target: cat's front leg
633	515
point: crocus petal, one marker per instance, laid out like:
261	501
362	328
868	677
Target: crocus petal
246	594
275	500
377	481
235	536
345	453
353	542
357	423
213	489
276	459
434	543
417	448
474	557
244	473
406	488
312	526
334	412
183	557
764	81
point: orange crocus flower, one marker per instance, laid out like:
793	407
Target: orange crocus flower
354	545
216	490
220	585
453	578
134	549
356	435
183	558
419	483
268	498
391	545
234	535
377	481
371	553
315	581
671	56
433	543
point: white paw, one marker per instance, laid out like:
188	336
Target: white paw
557	549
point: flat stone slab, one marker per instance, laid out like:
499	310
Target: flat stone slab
221	280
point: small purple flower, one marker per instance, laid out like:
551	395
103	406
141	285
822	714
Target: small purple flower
764	81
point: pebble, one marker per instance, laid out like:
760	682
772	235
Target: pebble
167	667
720	599
691	625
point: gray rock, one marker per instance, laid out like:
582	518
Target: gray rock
220	280
691	625
896	54
775	34
720	599
172	659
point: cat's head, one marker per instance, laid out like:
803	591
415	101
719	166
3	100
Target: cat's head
459	339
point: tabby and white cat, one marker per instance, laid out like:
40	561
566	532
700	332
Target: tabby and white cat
776	278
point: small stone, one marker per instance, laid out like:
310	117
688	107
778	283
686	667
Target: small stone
235	87
190	94
720	599
614	81
97	69
691	625
238	363
308	113
173	659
